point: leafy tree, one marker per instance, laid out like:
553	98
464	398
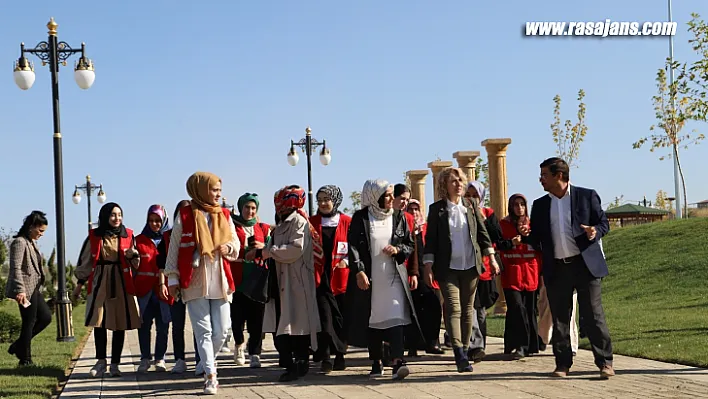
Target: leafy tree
697	72
50	281
661	201
482	174
355	198
569	136
674	105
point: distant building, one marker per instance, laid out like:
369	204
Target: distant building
702	204
629	214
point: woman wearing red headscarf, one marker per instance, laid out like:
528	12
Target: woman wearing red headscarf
297	251
520	281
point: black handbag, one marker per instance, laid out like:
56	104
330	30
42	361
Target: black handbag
256	286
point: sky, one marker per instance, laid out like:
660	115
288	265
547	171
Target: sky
223	86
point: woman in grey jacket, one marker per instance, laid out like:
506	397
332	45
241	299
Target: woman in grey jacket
23	284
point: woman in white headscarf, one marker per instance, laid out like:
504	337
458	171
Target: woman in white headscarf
379	302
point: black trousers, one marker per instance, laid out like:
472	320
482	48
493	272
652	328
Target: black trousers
245	310
35	318
429	311
567	277
521	325
394	337
100	336
292	348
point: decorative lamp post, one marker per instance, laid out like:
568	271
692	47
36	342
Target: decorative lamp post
308	145
53	53
89	188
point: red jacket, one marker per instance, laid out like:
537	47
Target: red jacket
187	246
260	232
340	251
487	275
148	275
423	231
522	265
123	244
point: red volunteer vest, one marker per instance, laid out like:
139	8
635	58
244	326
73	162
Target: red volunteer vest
260	232
340	251
187	246
487	275
123	244
148	276
423	231
522	265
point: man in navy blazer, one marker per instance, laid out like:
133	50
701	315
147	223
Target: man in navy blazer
567	225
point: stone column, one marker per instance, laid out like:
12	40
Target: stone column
417	178
436	167
466	160
496	158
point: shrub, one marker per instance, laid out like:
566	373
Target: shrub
10	326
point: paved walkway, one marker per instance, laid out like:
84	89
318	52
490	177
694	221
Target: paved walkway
431	377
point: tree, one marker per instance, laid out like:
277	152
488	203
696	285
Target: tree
661	201
697	72
50	281
616	203
355	198
482	172
674	105
569	136
5	239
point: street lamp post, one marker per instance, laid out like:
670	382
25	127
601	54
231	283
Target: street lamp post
308	145
52	53
89	188
227	206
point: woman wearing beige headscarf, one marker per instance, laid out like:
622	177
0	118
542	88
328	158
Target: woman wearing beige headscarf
202	243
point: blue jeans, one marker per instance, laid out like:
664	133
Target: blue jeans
179	318
210	319
152	312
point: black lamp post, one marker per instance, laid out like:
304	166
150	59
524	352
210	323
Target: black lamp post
308	145
52	53
89	188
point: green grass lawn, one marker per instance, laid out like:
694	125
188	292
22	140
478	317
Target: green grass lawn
656	296
51	359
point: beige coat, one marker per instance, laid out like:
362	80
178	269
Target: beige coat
291	248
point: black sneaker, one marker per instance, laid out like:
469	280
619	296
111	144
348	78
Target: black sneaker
339	363
326	367
288	376
476	355
400	371
376	370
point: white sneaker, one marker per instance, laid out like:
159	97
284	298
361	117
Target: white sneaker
240	356
255	361
199	370
210	386
144	366
160	366
225	349
180	367
114	371
99	368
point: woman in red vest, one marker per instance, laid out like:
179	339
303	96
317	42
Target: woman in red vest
107	261
202	243
151	291
331	279
427	301
247	306
522	267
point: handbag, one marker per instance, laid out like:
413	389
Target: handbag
255	286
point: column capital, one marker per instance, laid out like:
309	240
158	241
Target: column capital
417	176
496	146
437	166
466	158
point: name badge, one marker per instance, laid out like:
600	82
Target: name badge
342	248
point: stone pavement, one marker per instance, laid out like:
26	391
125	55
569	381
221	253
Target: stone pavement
431	377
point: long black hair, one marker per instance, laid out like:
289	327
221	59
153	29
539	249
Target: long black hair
34	219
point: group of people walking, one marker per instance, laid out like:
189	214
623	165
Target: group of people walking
380	279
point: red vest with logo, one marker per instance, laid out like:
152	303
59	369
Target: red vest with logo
148	275
188	245
260	232
522	265
340	251
123	244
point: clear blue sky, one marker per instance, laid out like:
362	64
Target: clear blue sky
223	86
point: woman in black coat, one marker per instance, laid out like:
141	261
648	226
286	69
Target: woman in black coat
378	298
